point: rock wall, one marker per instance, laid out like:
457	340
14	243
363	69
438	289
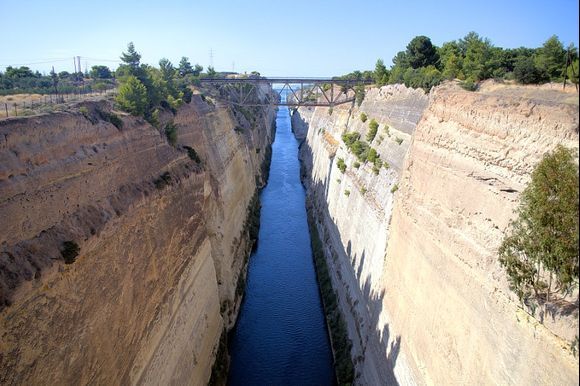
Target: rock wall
162	238
414	254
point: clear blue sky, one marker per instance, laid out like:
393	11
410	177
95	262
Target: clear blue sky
291	38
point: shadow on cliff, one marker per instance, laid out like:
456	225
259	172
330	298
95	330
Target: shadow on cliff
375	348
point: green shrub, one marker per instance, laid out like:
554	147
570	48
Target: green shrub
350	138
112	118
70	251
395	188
347	192
363	117
163	180
373	156
192	154
363	190
84	111
373	127
356	164
399	140
469	84
132	96
540	248
171	133
360	149
341	165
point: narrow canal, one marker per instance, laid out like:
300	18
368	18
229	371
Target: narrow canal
280	337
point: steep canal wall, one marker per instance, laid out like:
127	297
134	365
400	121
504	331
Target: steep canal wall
157	236
412	240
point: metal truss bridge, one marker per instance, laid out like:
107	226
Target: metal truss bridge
292	92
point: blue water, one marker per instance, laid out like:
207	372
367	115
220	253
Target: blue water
280	337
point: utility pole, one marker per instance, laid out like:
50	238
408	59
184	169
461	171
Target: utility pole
211	57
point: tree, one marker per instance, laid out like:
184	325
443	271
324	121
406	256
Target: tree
22	72
131	57
526	72
381	74
197	70
132	96
100	72
551	58
54	77
211	72
421	52
540	252
185	67
476	52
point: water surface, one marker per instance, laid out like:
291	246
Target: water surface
280	337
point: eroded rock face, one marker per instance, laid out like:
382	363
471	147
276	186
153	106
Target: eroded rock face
161	236
414	258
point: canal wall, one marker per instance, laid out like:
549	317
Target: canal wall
412	247
161	234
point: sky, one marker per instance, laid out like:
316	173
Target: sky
276	38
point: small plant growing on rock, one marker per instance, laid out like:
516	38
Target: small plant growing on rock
163	180
70	251
395	188
399	140
192	154
171	133
373	127
341	165
363	117
363	190
347	192
356	164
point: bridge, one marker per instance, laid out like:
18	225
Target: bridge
326	92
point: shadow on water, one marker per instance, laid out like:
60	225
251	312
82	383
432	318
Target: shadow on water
375	348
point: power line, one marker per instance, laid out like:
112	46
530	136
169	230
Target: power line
31	63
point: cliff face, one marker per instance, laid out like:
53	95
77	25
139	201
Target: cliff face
414	253
162	242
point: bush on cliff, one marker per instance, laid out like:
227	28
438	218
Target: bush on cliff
70	251
373	127
132	96
540	250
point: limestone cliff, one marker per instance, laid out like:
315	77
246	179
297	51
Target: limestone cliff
162	234
413	250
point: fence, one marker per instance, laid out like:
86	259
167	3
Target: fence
18	105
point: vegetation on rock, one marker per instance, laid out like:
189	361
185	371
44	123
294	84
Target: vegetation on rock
540	249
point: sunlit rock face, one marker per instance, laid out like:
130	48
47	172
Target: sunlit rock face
161	240
413	249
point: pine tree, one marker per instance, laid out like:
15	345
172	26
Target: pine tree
131	57
132	96
540	253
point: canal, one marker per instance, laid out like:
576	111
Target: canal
280	337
